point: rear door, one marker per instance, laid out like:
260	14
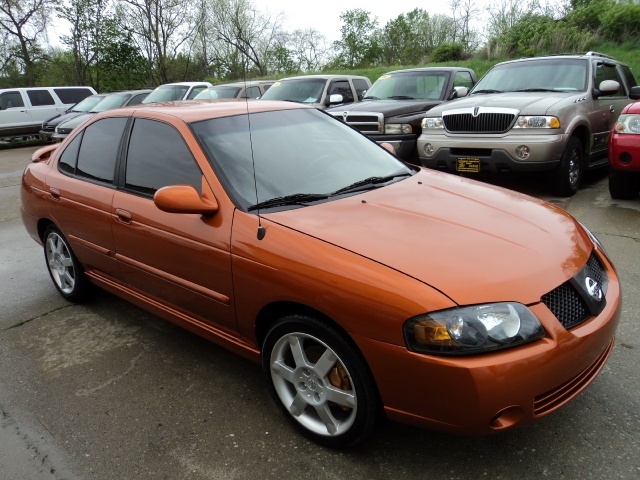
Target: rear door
15	114
182	261
43	105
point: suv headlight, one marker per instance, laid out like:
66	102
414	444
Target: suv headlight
473	329
628	124
432	123
537	121
397	128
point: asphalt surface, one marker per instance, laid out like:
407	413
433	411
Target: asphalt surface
107	391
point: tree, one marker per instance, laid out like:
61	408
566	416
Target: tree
22	22
358	46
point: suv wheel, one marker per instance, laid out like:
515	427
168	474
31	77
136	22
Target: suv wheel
569	173
623	185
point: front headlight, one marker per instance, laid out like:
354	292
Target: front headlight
397	128
628	124
432	123
537	121
473	329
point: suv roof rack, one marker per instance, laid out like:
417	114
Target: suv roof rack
597	54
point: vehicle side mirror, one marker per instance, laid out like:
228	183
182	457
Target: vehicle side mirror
335	98
388	147
606	87
634	93
459	92
184	199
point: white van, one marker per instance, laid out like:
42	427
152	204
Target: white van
22	110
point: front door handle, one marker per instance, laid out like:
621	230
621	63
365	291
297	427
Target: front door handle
123	215
55	193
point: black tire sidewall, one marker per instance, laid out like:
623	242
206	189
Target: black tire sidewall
368	412
563	186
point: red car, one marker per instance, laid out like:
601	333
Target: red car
624	151
365	287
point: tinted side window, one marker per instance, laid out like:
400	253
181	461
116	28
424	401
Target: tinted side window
463	79
40	97
69	158
196	91
628	75
158	157
11	100
343	88
361	87
251	92
138	98
99	149
72	95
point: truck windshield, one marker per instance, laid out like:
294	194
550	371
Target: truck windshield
409	85
308	90
554	74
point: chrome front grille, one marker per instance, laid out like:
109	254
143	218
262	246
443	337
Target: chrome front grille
481	123
571	302
365	122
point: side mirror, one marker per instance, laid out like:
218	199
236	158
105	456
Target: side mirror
459	92
606	87
634	93
183	199
388	147
43	154
335	98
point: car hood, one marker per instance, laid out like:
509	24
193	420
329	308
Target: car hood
632	108
75	121
528	103
387	107
58	119
474	243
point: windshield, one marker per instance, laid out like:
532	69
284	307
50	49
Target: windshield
109	103
554	74
307	90
167	93
218	92
300	151
87	104
409	85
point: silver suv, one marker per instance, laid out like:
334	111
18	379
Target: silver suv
546	113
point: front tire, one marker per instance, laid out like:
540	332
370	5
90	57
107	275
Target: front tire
569	173
623	185
65	270
320	382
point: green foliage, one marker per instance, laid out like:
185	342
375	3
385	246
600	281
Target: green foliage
448	52
621	22
358	46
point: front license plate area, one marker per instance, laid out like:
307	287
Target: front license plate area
468	164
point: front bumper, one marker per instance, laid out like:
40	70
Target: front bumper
404	145
482	394
624	152
494	153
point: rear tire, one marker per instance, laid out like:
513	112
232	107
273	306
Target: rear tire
319	382
623	185
569	173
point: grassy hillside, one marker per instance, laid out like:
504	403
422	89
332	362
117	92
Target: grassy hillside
627	53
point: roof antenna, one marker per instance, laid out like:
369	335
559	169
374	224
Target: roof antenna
261	230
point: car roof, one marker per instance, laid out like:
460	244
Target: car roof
187	84
576	56
324	77
430	69
195	110
248	83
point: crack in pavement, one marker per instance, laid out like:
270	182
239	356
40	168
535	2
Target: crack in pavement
24	322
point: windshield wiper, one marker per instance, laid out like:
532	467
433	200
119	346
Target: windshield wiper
488	90
371	98
293	199
369	182
535	90
401	97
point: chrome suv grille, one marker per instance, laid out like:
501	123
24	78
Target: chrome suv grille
365	122
479	120
47	127
570	302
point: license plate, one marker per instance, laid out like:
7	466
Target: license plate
471	165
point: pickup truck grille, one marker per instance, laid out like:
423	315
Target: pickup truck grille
479	120
46	127
366	122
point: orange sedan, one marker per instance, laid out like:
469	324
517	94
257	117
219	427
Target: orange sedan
366	288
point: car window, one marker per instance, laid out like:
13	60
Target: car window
361	87
463	79
157	157
251	92
167	93
39	98
99	149
11	100
608	72
305	90
196	91
628	75
138	98
343	88
72	95
69	158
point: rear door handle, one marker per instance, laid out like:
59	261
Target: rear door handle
55	193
